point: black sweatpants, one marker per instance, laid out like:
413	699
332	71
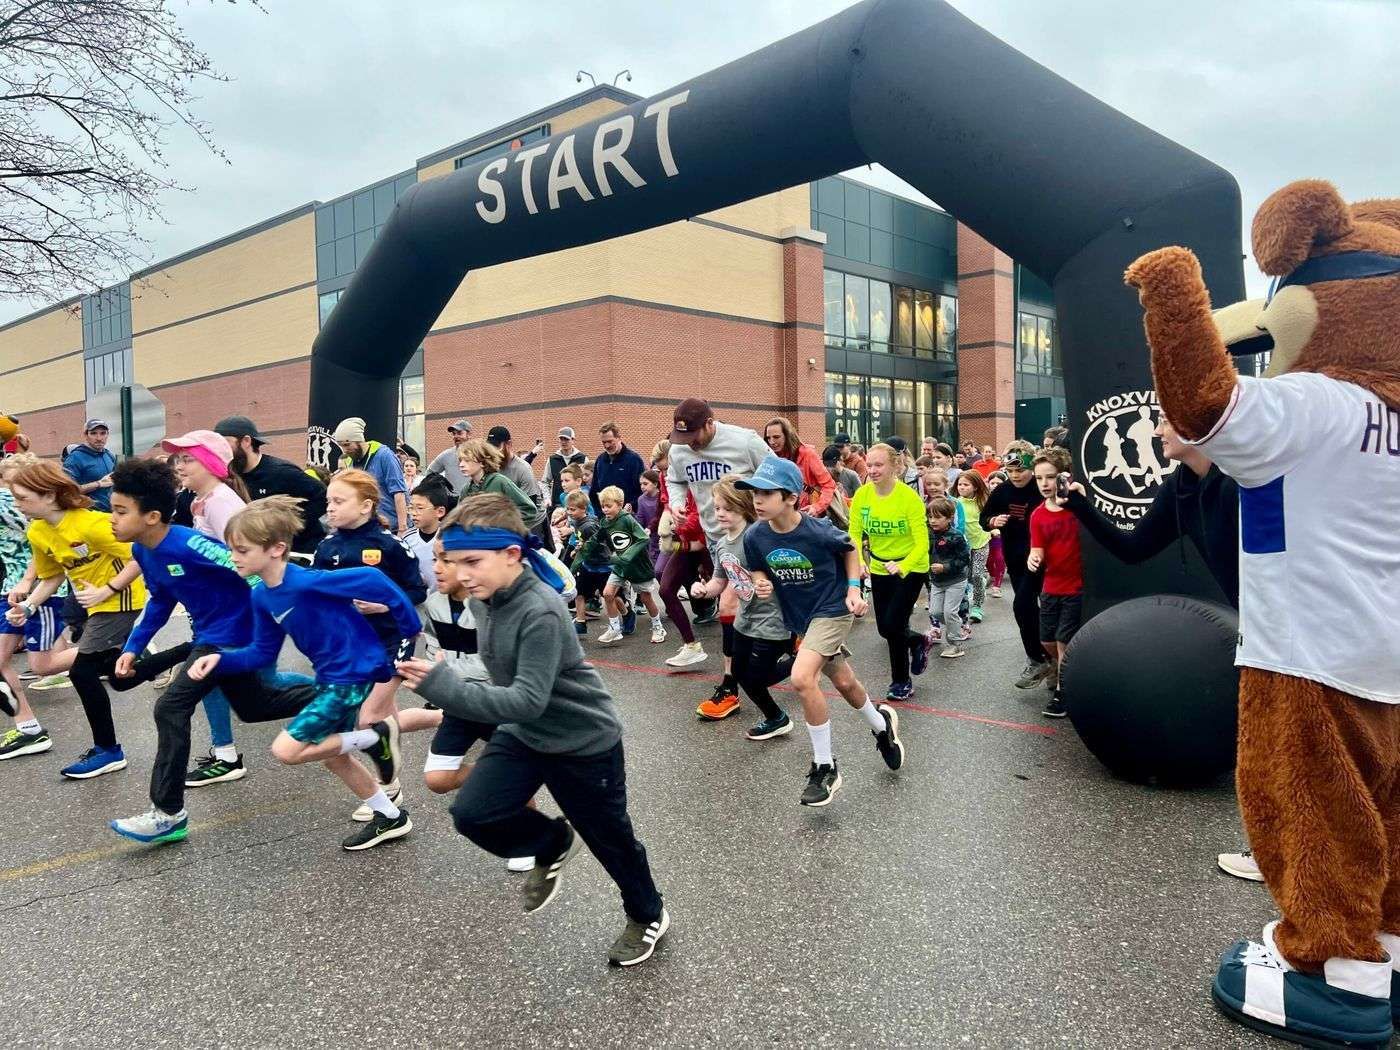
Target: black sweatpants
760	663
1026	608
894	600
591	790
86	676
250	699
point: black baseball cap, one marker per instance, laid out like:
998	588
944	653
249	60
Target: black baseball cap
239	426
898	444
498	436
841	439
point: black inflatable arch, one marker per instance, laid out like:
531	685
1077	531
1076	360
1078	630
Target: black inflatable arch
1057	179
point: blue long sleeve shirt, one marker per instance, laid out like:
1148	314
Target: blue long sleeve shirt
197	572
315	609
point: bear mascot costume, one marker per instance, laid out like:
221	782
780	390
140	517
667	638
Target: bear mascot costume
9	434
1315	448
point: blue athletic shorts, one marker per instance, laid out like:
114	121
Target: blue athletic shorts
41	630
332	710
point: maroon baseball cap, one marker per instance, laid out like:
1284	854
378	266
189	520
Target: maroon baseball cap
690	418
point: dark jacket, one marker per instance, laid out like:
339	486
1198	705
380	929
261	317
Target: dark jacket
623	543
1016	533
555	466
623	470
950	550
1205	510
374	546
277	477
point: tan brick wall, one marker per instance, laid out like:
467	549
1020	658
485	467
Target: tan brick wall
986	342
50	334
58	382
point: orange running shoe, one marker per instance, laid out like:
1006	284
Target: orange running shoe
721	704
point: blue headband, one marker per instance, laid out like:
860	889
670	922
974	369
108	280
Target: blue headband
477	538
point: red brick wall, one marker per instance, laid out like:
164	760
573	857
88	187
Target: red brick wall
49	429
273	397
986	342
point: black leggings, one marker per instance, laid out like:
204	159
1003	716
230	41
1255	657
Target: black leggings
1026	608
760	663
895	597
85	675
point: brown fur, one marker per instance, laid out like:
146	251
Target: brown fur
1319	769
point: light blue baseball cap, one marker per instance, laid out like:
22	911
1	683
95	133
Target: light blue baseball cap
774	473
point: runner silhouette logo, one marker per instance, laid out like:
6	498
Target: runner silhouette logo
1121	454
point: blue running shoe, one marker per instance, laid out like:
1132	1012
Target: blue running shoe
581	629
94	762
153	826
900	691
1348	1004
629	621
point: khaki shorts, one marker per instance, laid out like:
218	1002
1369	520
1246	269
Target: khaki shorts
827	635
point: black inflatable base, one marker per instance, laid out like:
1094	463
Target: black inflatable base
1152	689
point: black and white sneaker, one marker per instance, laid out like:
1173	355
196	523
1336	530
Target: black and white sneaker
378	831
887	741
1056	707
214	770
384	752
542	884
7	700
13	743
638	941
822	784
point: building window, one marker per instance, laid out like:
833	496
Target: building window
872	408
346	228
412	422
500	149
109	369
865	314
1038	351
325	303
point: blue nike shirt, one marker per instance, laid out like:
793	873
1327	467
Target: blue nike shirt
190	569
314	608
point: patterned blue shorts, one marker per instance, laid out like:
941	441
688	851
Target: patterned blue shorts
334	709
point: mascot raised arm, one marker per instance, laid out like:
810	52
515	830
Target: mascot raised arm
1315	448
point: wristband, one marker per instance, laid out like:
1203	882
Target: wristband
29	610
853	583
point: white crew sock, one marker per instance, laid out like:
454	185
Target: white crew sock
615	623
357	740
379	802
226	753
821	743
30	728
872	717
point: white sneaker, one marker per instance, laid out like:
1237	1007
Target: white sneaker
519	864
364	814
1240	865
689	654
609	636
995	592
658	632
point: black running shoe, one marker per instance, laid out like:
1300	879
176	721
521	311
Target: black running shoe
7	700
629	621
887	740
384	752
1056	707
542	884
822	784
13	743
213	770
638	941
379	830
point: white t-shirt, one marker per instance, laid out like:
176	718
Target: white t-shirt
1318	465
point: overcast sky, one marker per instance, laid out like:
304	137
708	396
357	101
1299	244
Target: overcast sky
327	96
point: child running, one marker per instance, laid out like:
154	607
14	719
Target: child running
428	504
591	572
625	543
889	516
763	649
949	559
996	557
1055	548
42	635
972	491
1009	509
557	728
70	539
320	612
815	573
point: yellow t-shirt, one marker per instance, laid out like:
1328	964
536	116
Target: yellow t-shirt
893	524
81	546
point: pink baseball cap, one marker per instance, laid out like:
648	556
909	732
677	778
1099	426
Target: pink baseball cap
211	449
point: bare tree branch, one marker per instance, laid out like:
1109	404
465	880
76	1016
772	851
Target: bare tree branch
90	90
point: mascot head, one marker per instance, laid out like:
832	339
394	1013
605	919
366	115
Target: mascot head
9	427
1334	302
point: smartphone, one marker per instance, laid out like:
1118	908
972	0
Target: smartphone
1062	486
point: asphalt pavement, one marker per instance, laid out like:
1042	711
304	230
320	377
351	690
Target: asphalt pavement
1002	890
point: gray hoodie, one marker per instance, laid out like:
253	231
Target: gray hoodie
542	691
733	450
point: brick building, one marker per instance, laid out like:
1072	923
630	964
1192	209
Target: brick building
840	305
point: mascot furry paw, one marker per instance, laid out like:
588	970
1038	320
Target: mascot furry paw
1315	447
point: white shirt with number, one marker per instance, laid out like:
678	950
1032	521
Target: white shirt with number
1318	465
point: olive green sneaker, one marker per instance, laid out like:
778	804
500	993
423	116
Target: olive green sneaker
638	941
542	884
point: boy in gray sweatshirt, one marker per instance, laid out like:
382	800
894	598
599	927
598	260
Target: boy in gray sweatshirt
556	726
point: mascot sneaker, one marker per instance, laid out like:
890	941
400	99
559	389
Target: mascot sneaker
1348	1004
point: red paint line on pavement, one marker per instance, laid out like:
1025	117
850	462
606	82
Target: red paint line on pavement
1000	723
